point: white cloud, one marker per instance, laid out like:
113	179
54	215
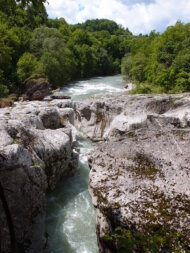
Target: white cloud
138	17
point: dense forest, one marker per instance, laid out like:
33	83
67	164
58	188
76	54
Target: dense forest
160	62
31	44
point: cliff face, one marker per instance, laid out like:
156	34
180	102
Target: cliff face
140	175
36	150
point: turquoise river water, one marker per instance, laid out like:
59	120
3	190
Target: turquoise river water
70	219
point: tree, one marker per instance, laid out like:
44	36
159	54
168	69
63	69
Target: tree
9	6
3	90
161	61
36	3
28	66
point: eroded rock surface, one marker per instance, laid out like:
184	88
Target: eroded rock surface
140	174
36	150
105	118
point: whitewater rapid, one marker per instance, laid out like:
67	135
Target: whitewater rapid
94	87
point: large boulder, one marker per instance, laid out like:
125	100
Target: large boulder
36	88
50	118
36	150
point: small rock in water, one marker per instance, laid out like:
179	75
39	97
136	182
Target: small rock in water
59	95
48	98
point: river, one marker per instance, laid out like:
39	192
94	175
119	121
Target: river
70	214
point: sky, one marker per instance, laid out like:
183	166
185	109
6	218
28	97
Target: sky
140	16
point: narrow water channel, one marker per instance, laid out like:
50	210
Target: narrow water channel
70	214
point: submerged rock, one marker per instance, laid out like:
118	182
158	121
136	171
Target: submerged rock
36	150
140	176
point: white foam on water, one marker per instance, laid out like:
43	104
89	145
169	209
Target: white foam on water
85	148
78	219
85	88
94	86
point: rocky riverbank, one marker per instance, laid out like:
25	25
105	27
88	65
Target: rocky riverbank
36	149
139	178
140	174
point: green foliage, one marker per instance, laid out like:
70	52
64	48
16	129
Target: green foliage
160	63
56	58
71	52
17	21
96	25
3	91
28	66
157	239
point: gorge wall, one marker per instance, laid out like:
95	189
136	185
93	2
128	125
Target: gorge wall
140	174
139	178
36	149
